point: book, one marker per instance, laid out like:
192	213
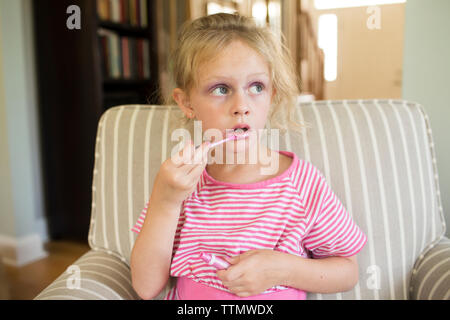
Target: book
112	52
123	57
102	9
124	12
140	59
133	19
115	11
144	13
146	55
129	12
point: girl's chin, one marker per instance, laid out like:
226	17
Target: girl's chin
238	145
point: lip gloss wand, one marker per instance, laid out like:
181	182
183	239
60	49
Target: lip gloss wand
230	137
214	260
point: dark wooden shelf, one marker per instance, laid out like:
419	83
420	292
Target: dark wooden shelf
73	94
125	29
126	82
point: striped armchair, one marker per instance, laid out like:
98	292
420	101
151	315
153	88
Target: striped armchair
377	155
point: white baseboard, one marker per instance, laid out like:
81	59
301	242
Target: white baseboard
41	229
19	252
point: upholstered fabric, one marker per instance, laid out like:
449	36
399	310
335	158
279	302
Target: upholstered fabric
377	155
431	278
94	276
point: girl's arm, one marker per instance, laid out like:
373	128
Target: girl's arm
255	271
152	252
326	275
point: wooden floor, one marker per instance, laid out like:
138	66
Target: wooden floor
27	282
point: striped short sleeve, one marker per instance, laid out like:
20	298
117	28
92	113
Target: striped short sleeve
140	221
333	231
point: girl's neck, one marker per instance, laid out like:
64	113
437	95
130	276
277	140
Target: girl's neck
244	170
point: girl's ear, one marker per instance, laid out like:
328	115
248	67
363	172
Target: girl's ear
274	92
182	100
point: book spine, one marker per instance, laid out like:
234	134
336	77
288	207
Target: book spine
115	58
110	57
136	59
132	42
115	11
102	10
122	11
138	12
120	57
132	12
107	10
126	11
144	9
140	59
146	55
125	58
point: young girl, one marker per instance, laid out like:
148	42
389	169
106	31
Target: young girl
283	234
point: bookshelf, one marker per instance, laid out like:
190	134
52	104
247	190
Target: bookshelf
76	85
126	36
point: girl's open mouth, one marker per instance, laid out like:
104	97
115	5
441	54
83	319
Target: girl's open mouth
241	129
239	132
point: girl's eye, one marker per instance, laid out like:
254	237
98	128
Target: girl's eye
256	88
220	90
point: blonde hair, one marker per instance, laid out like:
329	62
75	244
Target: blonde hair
203	38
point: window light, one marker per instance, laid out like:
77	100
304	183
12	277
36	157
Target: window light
336	4
327	40
259	12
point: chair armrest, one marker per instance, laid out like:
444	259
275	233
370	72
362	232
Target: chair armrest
95	275
431	277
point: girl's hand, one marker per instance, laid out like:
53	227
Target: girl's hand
178	176
252	272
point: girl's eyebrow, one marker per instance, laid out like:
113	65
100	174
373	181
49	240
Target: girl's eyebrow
224	77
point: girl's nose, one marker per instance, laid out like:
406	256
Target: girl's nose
241	111
240	105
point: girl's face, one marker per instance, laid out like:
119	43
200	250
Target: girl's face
233	88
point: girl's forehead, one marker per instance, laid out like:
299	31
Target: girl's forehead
235	59
236	49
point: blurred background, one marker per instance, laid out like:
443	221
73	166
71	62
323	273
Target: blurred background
64	62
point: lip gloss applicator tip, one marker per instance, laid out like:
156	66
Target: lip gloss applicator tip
228	138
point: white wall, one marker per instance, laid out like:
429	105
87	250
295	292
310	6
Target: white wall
22	226
369	63
426	75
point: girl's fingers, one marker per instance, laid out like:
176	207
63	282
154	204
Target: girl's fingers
184	156
237	289
190	157
187	153
199	160
200	153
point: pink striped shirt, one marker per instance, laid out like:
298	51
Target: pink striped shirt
296	212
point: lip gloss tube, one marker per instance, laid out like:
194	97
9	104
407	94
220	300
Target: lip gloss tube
230	137
213	260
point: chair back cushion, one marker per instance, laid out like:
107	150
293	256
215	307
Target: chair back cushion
377	156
